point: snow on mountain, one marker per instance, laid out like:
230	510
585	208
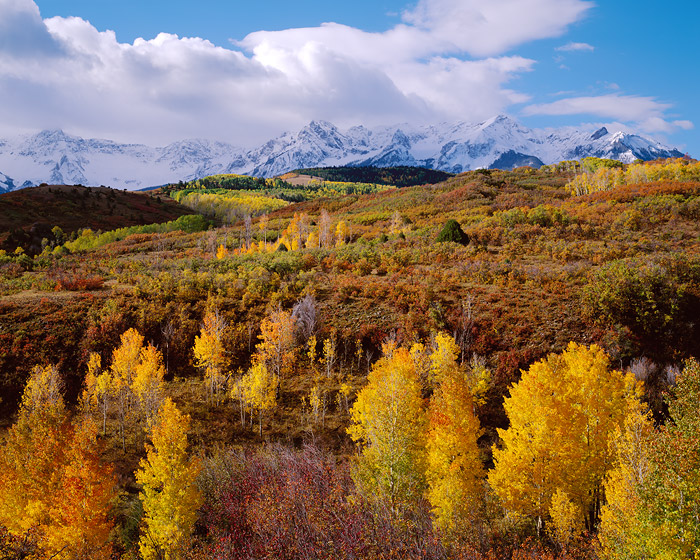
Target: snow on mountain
53	156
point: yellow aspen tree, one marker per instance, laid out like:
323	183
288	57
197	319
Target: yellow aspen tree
98	385
209	353
342	397
148	383
277	346
396	223
388	423
312	241
221	252
262	224
168	487
259	387
325	236
51	478
625	529
562	413
566	520
43	392
125	359
329	355
316	401
32	451
311	352
443	358
341	233
89	400
455	472
81	523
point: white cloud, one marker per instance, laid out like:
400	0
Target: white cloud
62	72
684	125
487	28
22	31
573	47
647	114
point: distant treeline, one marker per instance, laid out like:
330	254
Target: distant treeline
402	176
229	182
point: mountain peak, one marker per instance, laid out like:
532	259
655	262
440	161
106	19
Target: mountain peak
52	134
599	133
499	120
321	125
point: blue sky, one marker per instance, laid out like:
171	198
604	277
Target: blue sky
249	71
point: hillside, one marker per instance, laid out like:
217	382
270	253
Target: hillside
329	291
28	215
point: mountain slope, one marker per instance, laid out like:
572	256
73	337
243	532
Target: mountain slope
500	142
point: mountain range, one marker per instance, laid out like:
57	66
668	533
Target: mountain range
55	157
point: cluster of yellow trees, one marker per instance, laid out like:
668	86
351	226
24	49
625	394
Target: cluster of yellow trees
605	177
298	234
230	206
408	450
581	452
54	482
577	455
257	389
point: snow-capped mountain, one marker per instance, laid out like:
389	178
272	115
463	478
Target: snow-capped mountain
499	143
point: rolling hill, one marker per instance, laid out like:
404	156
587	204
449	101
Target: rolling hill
28	215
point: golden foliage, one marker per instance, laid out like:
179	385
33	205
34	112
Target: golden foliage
169	493
388	422
562	413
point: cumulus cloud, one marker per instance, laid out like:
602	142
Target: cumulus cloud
486	28
647	114
447	60
573	47
23	33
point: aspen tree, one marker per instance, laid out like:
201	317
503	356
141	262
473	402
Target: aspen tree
454	469
81	524
388	422
169	493
673	494
148	383
98	385
51	476
324	227
277	343
341	232
125	359
32	451
259	386
209	353
562	413
626	530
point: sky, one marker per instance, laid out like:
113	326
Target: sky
243	72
